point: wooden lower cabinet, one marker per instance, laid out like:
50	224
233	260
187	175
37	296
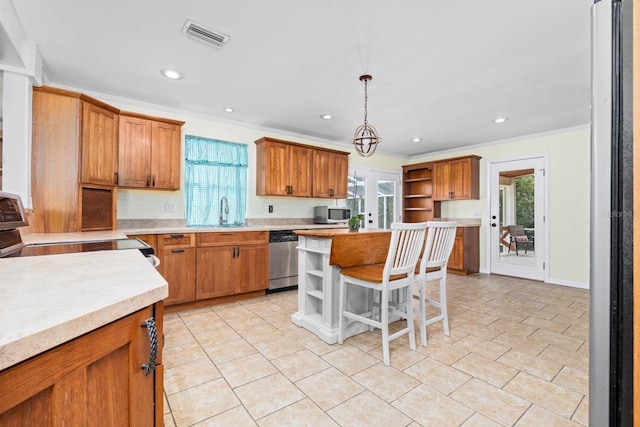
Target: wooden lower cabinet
201	266
215	270
178	267
465	255
177	255
96	379
231	263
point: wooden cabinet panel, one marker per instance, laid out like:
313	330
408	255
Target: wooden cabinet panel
441	179
165	156
178	267
330	172
177	255
465	255
215	270
457	178
251	274
95	379
135	146
456	259
300	162
291	169
232	238
99	145
149	152
176	240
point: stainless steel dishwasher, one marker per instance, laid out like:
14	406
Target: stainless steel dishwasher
283	260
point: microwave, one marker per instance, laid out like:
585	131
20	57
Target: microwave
331	214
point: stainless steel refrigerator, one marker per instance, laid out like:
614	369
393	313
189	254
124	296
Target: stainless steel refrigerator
611	275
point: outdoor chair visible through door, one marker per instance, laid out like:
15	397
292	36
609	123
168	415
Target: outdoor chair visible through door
518	237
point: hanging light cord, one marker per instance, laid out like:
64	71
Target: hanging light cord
366	97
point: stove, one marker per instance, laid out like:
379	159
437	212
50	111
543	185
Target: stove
12	216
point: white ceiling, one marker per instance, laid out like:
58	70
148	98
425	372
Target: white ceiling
442	70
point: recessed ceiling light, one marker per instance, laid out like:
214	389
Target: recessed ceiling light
229	110
326	116
416	139
500	120
172	74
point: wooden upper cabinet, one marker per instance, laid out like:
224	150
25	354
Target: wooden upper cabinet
99	145
300	161
292	169
149	152
284	169
457	179
165	155
134	167
330	170
74	158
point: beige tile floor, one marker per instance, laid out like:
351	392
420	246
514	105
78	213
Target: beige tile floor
517	355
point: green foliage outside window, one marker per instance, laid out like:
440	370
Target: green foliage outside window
525	207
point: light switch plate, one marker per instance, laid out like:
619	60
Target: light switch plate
169	207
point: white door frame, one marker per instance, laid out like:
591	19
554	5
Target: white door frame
545	212
371	176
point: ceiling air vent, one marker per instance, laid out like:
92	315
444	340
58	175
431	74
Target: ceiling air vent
203	34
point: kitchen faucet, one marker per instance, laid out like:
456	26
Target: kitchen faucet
224	202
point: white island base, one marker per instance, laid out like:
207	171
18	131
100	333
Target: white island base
318	291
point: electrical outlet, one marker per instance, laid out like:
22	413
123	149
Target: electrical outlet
169	207
270	208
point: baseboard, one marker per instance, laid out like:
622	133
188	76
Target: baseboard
571	283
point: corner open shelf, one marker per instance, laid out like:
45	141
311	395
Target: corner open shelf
417	191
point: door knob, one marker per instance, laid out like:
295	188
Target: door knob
493	224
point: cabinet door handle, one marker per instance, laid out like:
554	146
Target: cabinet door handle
153	180
148	180
291	186
331	192
150	324
115	176
237	252
177	251
177	236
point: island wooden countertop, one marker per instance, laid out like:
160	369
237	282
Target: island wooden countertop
332	232
353	249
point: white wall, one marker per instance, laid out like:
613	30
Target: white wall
568	177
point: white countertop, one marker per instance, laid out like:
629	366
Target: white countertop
172	230
49	300
122	233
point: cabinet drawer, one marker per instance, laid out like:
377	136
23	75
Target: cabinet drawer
234	238
171	241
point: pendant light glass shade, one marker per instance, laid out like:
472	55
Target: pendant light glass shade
365	138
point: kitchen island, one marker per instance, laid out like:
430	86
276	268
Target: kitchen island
321	255
72	342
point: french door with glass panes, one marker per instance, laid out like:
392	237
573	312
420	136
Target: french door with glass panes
375	194
518	217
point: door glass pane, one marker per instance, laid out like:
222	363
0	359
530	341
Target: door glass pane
356	190
517	217
386	203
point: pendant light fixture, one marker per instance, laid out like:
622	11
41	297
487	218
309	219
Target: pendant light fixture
366	138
